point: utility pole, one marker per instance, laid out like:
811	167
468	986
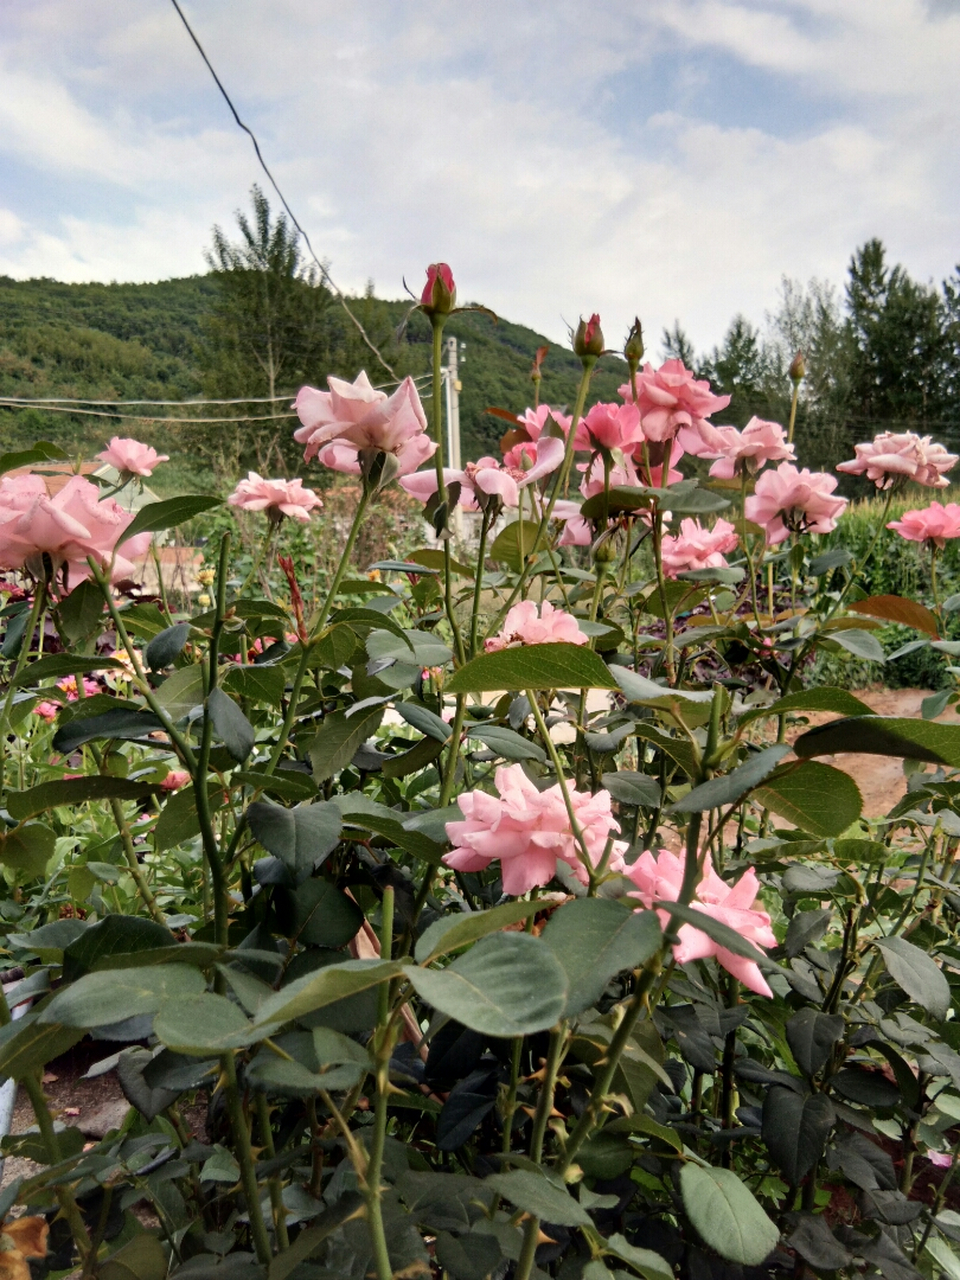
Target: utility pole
452	387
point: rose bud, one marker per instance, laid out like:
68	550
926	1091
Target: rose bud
439	295
588	340
798	368
633	347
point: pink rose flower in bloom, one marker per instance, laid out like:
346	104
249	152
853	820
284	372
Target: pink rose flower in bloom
352	416
527	453
623	473
576	530
524	624
276	497
901	456
64	529
697	548
670	399
47	710
486	476
747	450
933	524
125	454
528	830
609	426
659	880
175	779
789	501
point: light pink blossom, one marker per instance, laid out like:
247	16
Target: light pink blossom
68	685
622	473
609	426
525	624
934	524
941	1159
351	416
697	548
533	422
277	497
479	482
576	530
175	779
124	454
38	531
47	710
658	879
746	451
529	830
789	501
901	456
671	399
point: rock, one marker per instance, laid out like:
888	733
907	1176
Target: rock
109	1115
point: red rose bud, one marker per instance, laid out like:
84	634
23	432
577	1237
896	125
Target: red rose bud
588	340
439	295
798	368
633	347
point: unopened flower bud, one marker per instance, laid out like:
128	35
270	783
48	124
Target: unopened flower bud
588	340
798	368
439	295
633	347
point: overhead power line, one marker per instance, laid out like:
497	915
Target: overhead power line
324	272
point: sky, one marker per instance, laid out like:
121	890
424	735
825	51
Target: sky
671	159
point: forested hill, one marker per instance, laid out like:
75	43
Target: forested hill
162	342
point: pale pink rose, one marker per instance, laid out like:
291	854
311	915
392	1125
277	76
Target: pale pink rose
124	454
789	501
658	879
623	473
37	530
175	779
529	830
609	426
670	399
697	548
47	710
277	497
893	457
352	416
942	1159
533	421
655	455
526	624
934	524
576	530
479	482
746	451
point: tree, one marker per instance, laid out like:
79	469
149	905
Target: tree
740	368
268	330
677	346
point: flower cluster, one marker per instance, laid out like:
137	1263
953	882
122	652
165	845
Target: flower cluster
528	831
658	879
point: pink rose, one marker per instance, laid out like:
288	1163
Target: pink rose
746	451
352	416
440	292
524	624
697	548
893	457
126	455
277	497
609	426
656	453
623	473
175	779
529	830
671	399
789	501
37	530
47	710
933	524
68	685
479	482
527	453
659	880
576	530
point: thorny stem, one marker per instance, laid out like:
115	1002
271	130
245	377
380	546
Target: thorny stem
273	1182
438	320
244	1154
584	852
384	1047
36	609
478	581
531	1230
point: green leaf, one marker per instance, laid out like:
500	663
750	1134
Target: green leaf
594	939
114	935
302	837
49	940
122	723
898	609
113	995
28	848
533	666
168	514
230	724
148	1100
726	1215
142	1258
677	747
944	1258
74	791
349	1205
288	784
56	665
81	612
203	1023
427	649
862	644
512	547
510	984
826	699
339	739
645	1262
919	976
182	690
811	1034
359	811
815	797
628	787
718	792
535	1194
165	647
424	719
317	913
648	693
507	744
26	1045
40	452
316	990
795	1128
179	820
256	683
450	933
884	736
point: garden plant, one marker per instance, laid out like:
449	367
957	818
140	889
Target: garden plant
496	901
